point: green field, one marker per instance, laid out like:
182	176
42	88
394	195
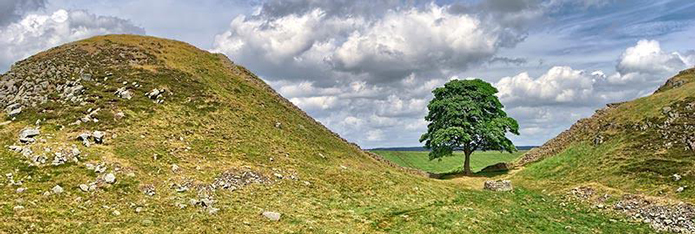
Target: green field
420	160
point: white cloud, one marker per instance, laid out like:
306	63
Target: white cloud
559	85
640	70
375	135
646	63
416	40
37	32
548	104
647	57
318	102
316	45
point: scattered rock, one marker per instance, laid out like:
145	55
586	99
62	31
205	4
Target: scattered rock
213	210
666	109
124	93
98	137
676	218
582	192
26	140
110	178
148	190
29	133
138	209
13	109
57	189
59	159
84	137
272	216
598	140
175	168
116	213
84	188
691	144
681	189
86	77
14	112
16	208
155	93
676	177
180	187
20	190
498	185
233	179
101	168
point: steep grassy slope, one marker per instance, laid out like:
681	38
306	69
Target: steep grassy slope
212	152
635	146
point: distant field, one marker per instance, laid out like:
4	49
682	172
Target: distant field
420	160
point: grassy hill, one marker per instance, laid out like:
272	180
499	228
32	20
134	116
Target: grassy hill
636	147
212	149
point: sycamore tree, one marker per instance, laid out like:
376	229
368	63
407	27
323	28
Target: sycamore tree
466	115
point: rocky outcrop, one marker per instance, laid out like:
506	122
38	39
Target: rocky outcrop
579	131
498	185
498	167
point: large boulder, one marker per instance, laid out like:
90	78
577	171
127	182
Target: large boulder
28	133
498	185
98	137
498	167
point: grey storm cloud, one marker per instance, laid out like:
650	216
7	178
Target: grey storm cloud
11	10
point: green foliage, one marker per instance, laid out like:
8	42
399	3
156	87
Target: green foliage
466	114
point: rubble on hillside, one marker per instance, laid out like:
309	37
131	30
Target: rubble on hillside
676	218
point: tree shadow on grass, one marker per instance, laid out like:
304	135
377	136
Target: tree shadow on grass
459	174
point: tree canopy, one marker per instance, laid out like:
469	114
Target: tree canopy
466	115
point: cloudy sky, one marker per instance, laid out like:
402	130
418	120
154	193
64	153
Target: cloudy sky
365	68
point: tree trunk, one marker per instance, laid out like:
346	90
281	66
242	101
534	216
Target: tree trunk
467	163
